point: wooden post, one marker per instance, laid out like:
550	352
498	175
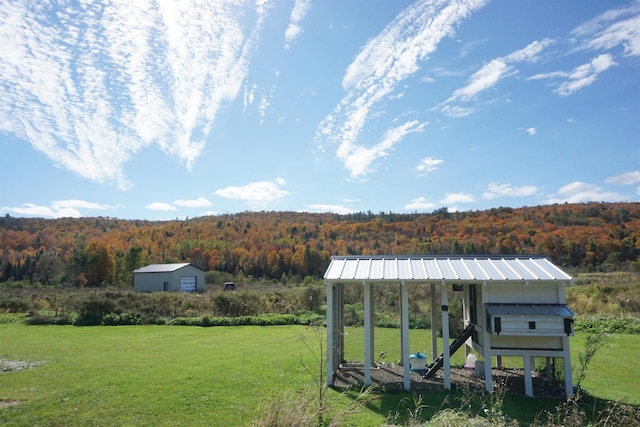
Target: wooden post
445	337
404	326
528	383
566	360
368	328
330	332
434	322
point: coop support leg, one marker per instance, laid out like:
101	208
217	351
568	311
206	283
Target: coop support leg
445	337
368	334
528	383
404	327
566	360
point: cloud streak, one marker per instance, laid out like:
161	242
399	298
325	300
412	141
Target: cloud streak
581	76
90	85
383	63
582	192
256	194
489	75
294	29
58	209
611	29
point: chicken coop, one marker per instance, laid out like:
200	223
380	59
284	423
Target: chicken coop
512	306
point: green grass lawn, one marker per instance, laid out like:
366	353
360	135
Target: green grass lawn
184	376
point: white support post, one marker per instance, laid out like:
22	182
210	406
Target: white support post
446	359
466	316
528	383
566	360
404	326
330	330
486	338
338	313
368	328
434	322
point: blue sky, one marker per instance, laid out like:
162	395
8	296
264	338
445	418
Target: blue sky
159	110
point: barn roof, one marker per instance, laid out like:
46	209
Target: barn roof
161	268
447	268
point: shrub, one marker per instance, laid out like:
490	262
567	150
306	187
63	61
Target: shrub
93	310
114	319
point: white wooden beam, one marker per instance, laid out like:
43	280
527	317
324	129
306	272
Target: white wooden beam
434	323
404	326
368	333
528	382
330	331
446	360
566	360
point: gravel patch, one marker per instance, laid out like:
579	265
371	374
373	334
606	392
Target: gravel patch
8	365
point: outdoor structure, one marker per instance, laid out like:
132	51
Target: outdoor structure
513	306
182	277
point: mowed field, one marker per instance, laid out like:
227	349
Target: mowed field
218	376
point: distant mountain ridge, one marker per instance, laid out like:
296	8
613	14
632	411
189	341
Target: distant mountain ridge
276	245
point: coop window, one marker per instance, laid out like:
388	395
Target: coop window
532	325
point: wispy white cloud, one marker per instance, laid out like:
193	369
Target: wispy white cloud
256	194
450	200
453	198
628	178
299	11
615	27
428	164
500	190
200	202
581	192
530	131
91	84
419	204
579	77
383	63
58	209
160	206
457	111
358	159
490	74
321	208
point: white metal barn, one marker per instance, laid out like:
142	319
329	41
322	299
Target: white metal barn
182	277
513	306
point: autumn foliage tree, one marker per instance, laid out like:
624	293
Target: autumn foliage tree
289	246
101	268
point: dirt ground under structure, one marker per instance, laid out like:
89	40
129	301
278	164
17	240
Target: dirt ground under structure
389	377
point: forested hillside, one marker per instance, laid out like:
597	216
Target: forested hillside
289	245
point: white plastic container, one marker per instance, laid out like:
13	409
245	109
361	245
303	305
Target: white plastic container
471	361
417	361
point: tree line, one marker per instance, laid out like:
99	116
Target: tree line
285	246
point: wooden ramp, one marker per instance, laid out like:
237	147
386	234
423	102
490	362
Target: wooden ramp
455	345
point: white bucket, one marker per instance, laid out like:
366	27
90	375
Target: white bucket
471	361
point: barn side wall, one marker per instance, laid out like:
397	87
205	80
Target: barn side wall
152	282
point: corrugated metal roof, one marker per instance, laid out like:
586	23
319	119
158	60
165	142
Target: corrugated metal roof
558	310
450	268
161	268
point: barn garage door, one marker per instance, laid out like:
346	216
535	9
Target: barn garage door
188	284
